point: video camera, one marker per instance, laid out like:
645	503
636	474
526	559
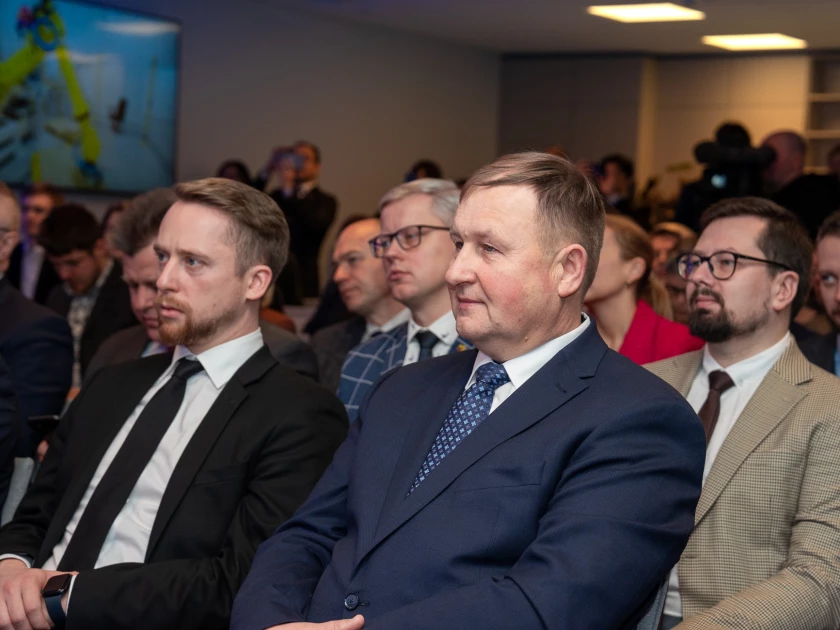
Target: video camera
733	168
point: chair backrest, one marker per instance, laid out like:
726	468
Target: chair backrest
654	614
21	476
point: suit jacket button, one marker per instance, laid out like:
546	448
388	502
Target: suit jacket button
351	601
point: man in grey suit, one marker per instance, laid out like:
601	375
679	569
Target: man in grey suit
363	286
133	235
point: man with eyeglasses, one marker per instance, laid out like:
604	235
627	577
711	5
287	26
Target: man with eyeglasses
415	247
363	287
765	551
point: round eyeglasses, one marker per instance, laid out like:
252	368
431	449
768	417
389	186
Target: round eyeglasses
721	264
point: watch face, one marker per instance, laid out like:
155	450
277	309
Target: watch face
57	585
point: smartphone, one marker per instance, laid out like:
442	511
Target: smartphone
43	425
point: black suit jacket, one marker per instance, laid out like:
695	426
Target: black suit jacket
249	465
9	427
820	350
309	219
111	312
331	345
47	280
285	347
37	346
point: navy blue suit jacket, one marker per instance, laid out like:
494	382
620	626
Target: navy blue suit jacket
37	346
566	508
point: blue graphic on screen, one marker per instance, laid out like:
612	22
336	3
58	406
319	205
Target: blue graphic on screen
88	96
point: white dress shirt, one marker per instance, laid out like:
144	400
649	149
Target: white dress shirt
31	263
444	329
128	537
747	376
524	367
372	329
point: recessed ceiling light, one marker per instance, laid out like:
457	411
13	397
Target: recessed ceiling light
759	41
659	12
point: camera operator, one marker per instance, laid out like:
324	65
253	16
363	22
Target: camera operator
810	197
309	210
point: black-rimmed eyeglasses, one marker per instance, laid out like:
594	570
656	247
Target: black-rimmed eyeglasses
721	264
408	237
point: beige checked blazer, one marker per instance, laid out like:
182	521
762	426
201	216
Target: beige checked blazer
765	551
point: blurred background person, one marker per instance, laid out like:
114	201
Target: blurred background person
616	175
35	343
235	170
28	269
810	197
824	350
109	219
675	284
630	306
424	169
669	239
93	296
363	287
309	210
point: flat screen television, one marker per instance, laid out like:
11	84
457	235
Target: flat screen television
88	96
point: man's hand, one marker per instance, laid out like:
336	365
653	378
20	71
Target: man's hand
356	623
21	604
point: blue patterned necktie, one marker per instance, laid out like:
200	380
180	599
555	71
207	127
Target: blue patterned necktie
471	408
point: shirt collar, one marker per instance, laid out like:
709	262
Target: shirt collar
524	367
444	328
221	362
400	318
756	366
305	188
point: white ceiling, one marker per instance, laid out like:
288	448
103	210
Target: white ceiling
544	26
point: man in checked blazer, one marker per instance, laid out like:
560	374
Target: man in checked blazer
765	551
416	249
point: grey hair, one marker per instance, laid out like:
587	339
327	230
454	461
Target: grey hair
444	193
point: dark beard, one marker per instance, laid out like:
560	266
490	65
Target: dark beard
720	327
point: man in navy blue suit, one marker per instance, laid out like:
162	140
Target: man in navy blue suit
541	481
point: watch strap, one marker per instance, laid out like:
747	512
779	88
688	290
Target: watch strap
56	610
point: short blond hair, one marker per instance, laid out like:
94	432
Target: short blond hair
570	208
260	231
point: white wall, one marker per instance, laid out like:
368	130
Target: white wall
588	106
254	77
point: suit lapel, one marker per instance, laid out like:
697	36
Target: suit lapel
552	386
396	353
774	399
205	437
115	414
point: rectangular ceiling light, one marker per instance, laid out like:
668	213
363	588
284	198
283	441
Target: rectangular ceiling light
635	13
760	41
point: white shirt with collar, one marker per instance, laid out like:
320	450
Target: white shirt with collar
443	328
372	329
128	538
31	262
747	376
520	369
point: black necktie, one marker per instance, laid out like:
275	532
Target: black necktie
119	480
719	382
427	340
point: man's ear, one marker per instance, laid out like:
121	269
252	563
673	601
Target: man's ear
569	268
785	287
259	279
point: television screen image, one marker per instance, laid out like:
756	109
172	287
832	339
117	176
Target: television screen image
88	96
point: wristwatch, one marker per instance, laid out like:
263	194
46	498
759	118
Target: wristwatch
54	590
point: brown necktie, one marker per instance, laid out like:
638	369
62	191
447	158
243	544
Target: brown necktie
719	382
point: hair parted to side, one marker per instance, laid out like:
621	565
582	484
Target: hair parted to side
634	242
260	231
830	227
444	193
570	208
137	225
783	239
